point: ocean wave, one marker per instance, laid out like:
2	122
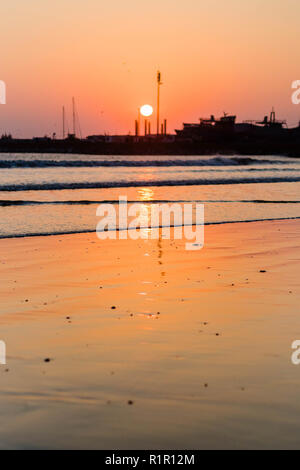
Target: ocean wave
216	161
73	232
57	186
9	202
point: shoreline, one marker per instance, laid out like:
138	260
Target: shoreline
85	232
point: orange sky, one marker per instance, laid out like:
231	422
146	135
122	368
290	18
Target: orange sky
239	56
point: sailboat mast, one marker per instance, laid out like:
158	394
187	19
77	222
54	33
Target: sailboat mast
63	123
74	116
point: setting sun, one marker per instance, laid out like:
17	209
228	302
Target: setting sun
146	110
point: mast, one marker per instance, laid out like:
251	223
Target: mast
63	123
74	116
272	116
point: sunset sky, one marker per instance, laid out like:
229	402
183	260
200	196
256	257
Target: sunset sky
238	56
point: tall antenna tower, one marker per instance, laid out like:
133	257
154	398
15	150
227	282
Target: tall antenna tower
158	98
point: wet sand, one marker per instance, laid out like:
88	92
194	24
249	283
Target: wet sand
195	354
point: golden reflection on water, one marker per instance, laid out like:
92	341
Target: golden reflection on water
146	194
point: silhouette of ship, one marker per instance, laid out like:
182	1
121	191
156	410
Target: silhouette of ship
226	126
207	128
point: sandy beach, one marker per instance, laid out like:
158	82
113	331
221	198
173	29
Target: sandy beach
196	353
